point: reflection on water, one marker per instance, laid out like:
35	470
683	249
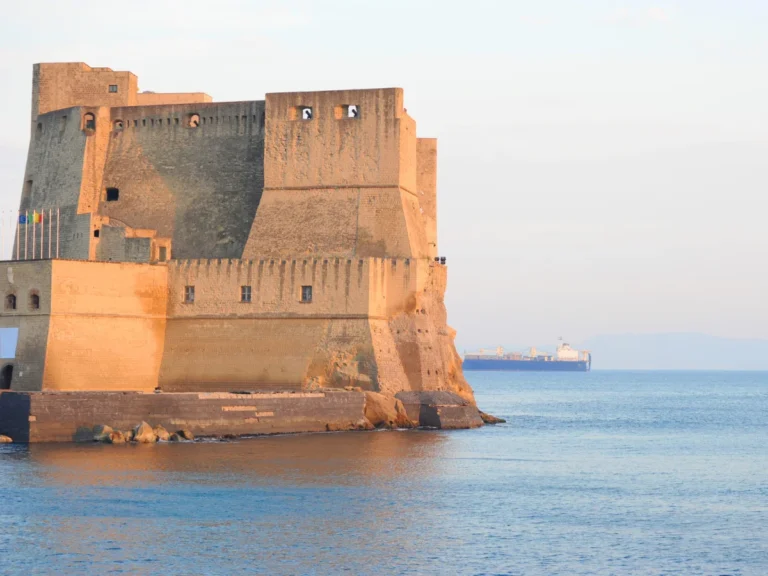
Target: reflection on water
599	473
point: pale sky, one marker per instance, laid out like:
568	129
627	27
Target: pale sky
602	164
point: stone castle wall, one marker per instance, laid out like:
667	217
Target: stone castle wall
233	194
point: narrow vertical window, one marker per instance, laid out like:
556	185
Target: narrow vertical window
245	294
34	302
306	293
10	302
189	294
163	254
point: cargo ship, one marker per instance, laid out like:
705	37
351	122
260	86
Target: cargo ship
566	359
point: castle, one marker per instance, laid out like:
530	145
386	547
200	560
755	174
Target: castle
288	244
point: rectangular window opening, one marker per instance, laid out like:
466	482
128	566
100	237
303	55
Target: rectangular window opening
113	88
306	293
189	294
113	194
96	233
304	113
245	294
163	254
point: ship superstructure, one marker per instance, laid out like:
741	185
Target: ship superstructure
565	359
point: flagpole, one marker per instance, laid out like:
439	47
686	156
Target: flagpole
57	232
2	237
42	235
34	234
26	232
18	233
50	210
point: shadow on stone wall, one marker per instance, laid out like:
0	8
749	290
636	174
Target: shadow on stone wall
14	415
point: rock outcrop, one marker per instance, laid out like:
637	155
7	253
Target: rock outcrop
144	434
101	433
116	437
386	411
161	433
489	419
5	439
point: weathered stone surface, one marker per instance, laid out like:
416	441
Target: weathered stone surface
101	433
5	439
489	419
161	433
116	437
128	435
440	409
386	411
175	438
144	434
185	434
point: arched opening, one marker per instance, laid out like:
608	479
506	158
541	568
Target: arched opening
6	375
119	125
193	121
89	122
10	302
34	301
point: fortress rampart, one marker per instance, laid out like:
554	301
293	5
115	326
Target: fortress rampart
285	244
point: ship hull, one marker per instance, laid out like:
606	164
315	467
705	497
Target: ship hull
501	364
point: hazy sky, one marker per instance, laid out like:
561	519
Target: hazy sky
602	164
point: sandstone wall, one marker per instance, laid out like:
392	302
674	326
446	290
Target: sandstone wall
23	279
107	326
336	185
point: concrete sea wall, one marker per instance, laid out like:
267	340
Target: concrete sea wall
56	416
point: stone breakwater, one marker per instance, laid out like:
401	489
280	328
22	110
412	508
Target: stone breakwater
119	417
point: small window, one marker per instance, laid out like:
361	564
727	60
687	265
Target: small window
306	293
119	125
96	233
194	120
143	121
10	302
163	254
34	302
245	294
347	111
89	122
39	131
113	194
301	113
113	88
189	294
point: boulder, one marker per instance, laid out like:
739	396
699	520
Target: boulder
143	433
185	434
116	437
101	433
175	437
386	412
488	419
5	439
343	426
162	434
128	435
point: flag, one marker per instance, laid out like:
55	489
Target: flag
22	219
36	218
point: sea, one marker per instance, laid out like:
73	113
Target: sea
652	473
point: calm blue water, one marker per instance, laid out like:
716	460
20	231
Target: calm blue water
599	473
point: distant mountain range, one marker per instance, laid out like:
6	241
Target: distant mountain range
675	352
668	352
